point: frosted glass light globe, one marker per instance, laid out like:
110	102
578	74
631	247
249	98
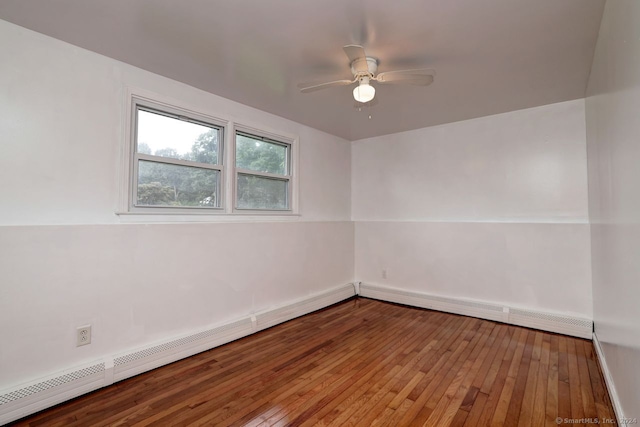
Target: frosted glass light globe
364	92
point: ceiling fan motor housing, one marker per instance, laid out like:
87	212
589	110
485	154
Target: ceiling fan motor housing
372	66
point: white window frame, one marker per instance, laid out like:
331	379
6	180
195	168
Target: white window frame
289	177
128	212
176	114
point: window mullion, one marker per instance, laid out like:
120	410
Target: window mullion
229	171
172	161
263	174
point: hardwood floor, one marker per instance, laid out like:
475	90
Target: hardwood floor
361	362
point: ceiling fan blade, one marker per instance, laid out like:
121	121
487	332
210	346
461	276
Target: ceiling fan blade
419	77
312	87
357	57
413	77
421	71
416	80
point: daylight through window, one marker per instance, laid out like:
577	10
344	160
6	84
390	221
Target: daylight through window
177	161
263	178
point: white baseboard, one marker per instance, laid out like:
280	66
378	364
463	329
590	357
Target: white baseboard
46	392
608	379
135	362
270	318
552	322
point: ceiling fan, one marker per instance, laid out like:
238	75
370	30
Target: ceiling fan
364	70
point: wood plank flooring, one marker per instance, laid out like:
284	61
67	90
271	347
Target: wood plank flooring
366	363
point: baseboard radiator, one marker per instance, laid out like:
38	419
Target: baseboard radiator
38	395
551	322
29	398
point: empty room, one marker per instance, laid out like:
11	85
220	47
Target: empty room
314	213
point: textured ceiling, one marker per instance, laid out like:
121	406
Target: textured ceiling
491	56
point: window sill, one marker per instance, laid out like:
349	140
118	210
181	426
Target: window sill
145	217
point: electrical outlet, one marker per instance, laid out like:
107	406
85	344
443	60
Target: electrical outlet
384	273
83	335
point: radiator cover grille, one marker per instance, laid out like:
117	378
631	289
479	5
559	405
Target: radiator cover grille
131	357
51	383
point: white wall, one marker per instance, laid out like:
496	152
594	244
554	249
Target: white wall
62	118
67	260
613	129
493	208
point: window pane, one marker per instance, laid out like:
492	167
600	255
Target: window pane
161	184
256	192
260	156
178	139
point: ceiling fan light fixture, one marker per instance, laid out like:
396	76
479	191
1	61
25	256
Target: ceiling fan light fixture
364	69
364	92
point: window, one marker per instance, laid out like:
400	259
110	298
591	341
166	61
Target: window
177	160
182	164
263	177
